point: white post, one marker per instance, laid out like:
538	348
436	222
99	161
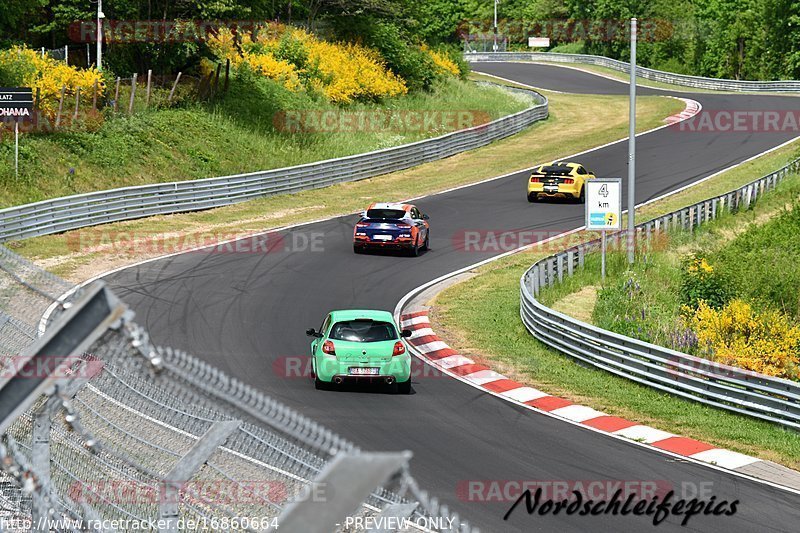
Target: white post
66	54
632	149
494	47
100	17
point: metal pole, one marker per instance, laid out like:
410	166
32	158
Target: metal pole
100	17
494	47
16	148
632	149
603	255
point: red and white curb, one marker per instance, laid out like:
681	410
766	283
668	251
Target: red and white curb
692	108
438	354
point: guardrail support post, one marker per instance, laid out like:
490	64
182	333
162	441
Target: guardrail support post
570	261
542	277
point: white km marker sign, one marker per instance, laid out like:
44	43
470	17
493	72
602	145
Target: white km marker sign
604	210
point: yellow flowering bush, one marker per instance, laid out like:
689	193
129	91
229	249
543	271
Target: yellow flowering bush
766	342
699	266
275	69
443	63
353	72
342	72
700	282
222	44
25	67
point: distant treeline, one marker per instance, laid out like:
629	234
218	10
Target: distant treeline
742	39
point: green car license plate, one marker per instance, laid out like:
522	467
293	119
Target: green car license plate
363	371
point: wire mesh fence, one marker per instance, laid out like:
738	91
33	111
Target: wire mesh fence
111	440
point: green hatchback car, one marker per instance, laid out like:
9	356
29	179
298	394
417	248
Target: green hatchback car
360	345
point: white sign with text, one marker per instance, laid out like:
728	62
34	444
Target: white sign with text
604	204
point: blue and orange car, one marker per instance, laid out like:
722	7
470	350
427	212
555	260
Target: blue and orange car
392	226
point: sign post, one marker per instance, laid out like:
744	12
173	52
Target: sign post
16	148
603	211
17	103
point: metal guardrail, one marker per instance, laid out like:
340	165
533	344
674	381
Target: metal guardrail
126	430
696	82
768	398
72	212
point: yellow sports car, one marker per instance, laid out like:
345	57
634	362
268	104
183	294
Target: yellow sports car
558	179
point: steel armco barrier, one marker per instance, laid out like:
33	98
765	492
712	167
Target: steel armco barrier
72	212
696	82
768	398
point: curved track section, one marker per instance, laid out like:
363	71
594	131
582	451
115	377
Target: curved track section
246	313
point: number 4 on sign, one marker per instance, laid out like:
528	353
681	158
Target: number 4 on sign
603	190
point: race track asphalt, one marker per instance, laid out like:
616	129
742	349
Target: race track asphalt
246	314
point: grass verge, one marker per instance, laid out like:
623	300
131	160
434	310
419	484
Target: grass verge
244	131
576	123
461	315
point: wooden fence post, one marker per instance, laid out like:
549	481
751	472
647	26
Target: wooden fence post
133	94
116	95
227	73
169	99
94	95
205	86
216	81
60	105
77	103
149	80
